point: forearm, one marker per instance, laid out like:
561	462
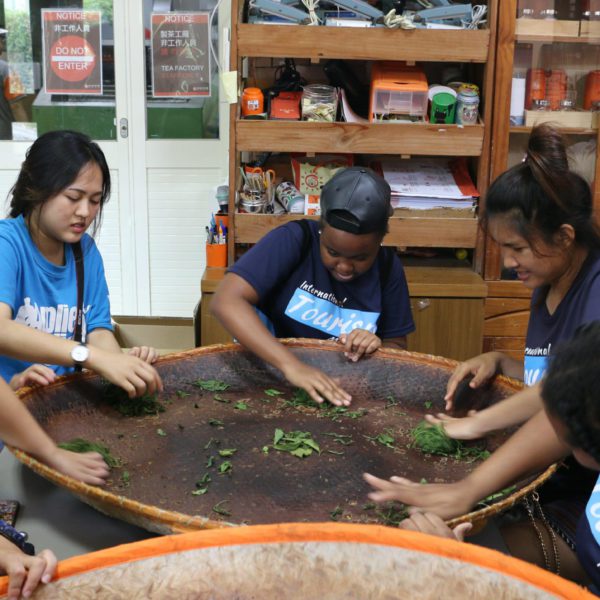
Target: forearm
514	410
31	345
241	320
530	450
103	339
510	367
18	427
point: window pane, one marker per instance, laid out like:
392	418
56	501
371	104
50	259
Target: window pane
181	71
57	68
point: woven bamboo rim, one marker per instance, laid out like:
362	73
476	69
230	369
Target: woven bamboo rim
164	521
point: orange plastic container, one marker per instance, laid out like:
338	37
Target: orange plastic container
216	255
591	99
535	86
252	102
398	90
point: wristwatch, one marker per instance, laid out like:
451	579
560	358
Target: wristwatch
80	354
18	538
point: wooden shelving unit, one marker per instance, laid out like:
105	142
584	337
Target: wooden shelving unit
253	42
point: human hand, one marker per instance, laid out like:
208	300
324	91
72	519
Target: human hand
34	375
359	342
317	384
25	572
88	467
430	523
146	353
131	373
464	428
447	500
482	368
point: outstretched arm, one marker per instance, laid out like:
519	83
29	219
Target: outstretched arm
18	428
531	449
233	304
134	375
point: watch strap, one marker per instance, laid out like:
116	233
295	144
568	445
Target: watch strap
18	538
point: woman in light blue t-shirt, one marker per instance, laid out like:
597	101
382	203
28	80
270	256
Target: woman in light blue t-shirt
59	194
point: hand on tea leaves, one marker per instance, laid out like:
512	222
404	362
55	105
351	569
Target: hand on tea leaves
464	428
33	375
359	342
88	467
317	384
24	572
447	500
482	368
430	523
146	353
131	373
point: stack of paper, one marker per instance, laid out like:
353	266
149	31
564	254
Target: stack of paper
426	183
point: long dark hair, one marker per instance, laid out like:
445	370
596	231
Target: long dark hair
570	389
541	193
53	162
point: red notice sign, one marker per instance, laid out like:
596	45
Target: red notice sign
180	55
72	51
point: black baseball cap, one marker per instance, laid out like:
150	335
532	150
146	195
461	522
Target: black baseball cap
357	200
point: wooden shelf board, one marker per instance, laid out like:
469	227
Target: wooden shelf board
566	130
404	231
301	41
568	39
376	138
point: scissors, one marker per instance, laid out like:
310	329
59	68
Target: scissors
268	175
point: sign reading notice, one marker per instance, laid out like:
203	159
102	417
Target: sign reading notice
72	51
180	55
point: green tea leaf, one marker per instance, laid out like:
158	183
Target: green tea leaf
240	405
278	436
225	467
301	452
182	394
200	491
211	385
220	398
161	432
216	423
273	393
220	510
227	452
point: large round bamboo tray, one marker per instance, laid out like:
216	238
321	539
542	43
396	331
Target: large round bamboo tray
167	456
302	560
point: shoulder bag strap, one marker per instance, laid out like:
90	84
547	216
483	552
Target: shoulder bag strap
78	255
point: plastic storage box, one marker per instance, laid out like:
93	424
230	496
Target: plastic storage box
398	93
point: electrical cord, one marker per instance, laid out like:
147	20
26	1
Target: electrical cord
311	6
478	13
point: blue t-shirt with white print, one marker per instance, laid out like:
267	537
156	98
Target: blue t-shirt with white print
43	295
580	305
301	299
587	539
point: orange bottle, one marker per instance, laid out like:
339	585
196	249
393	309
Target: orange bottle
535	87
252	101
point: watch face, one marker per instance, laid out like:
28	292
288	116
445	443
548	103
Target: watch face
79	354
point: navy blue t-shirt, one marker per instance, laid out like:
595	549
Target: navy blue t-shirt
580	305
301	299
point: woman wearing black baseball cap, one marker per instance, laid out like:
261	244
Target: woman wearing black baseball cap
327	280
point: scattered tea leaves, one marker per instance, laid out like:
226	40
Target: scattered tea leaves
336	513
216	423
227	452
220	398
225	467
125	478
218	508
498	495
131	407
210	462
200	491
211	385
392	514
240	405
340	438
182	394
297	443
390	402
335	452
428	404
433	439
80	446
385	439
273	393
161	432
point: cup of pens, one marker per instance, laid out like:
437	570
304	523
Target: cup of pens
216	242
258	190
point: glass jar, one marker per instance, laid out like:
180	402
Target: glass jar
319	103
540	105
467	105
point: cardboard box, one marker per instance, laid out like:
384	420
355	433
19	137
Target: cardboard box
166	334
576	119
590	29
547	27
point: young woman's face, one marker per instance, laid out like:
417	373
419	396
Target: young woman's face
583	458
65	217
535	268
347	255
